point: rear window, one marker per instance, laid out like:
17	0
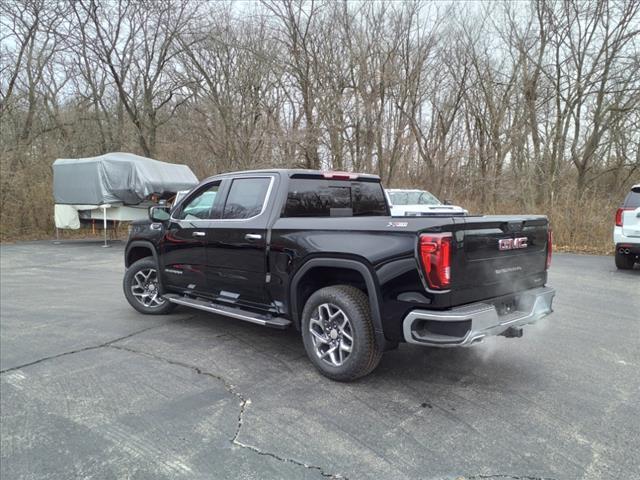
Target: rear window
632	200
331	198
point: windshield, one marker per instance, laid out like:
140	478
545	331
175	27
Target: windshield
413	197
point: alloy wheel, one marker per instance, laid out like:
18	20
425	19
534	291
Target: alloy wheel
144	288
331	334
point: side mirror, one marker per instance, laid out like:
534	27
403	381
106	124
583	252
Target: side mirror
159	214
447	202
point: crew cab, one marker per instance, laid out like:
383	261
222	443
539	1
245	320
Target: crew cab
319	252
626	232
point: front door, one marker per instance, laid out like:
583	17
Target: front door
183	255
237	243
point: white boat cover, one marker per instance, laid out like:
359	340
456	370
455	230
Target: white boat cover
66	216
116	178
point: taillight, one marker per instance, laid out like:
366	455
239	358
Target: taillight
549	248
435	253
619	215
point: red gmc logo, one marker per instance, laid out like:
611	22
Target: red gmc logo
512	243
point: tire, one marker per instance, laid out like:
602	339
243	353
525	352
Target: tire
139	283
341	350
624	262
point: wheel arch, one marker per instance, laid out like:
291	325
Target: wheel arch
357	271
139	249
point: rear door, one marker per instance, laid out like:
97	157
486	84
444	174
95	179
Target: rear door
183	256
631	214
237	242
498	256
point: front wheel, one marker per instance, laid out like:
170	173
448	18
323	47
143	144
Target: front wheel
140	285
338	334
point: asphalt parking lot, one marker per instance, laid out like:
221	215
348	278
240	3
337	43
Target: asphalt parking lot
90	389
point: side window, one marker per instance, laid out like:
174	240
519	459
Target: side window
246	197
200	206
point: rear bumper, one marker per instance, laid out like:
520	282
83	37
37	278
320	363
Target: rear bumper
463	326
627	248
625	241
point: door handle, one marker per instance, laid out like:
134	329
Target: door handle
198	234
253	236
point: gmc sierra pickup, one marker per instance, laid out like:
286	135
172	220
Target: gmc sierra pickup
319	252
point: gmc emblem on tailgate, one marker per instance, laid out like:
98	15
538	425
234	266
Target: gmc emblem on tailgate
512	243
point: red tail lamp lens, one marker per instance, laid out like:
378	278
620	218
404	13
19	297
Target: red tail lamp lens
435	253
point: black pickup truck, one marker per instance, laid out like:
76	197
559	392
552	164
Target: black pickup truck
319	252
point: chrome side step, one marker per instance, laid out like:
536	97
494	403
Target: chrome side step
207	306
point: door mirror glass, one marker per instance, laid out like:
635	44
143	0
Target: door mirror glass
159	214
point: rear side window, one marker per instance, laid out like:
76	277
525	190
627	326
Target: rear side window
246	197
632	200
331	198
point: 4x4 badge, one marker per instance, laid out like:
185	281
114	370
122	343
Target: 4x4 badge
397	224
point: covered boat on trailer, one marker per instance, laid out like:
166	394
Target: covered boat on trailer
115	186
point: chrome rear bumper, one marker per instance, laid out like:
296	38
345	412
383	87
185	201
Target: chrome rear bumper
463	326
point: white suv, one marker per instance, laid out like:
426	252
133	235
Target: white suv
626	233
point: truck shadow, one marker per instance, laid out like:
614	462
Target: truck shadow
492	363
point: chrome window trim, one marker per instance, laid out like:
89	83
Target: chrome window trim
262	210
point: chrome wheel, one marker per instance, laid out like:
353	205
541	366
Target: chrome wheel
331	334
144	288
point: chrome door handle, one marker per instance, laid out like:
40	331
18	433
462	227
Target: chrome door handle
198	234
252	236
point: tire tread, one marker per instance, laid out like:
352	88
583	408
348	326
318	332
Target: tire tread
624	262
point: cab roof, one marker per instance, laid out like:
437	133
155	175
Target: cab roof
302	173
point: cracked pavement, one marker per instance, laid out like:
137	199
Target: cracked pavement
90	389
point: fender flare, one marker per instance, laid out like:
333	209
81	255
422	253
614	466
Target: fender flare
149	245
360	267
140	243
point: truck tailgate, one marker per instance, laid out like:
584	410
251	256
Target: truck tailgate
496	256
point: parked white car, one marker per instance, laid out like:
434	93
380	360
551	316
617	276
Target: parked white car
626	232
416	203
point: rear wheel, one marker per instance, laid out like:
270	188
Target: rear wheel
624	262
338	334
140	287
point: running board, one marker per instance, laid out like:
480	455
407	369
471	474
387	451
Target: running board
265	320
